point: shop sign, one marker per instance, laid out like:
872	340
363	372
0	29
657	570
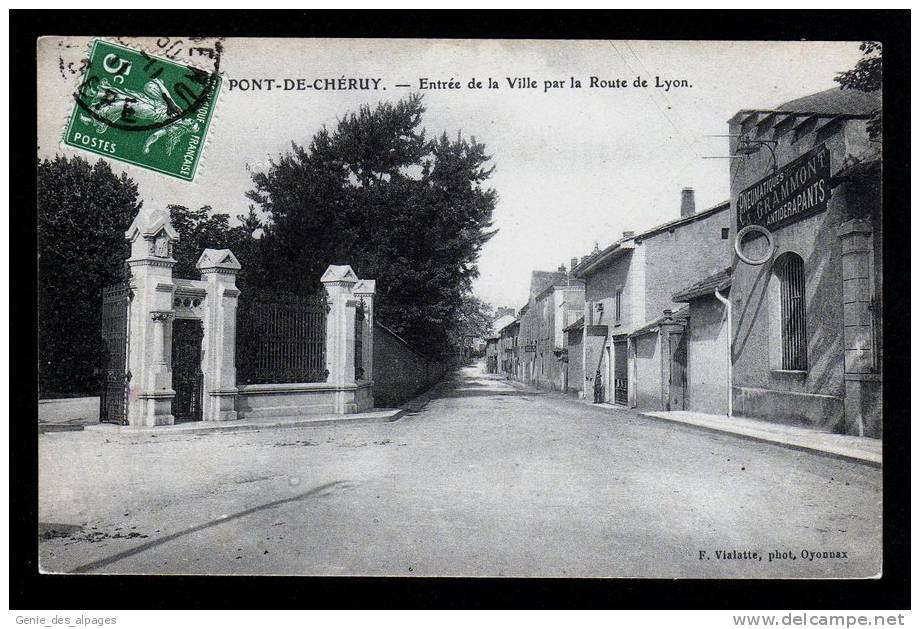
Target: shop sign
795	191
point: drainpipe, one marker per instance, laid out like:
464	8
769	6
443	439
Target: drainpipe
728	344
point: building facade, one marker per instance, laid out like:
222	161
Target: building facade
629	286
492	354
708	344
508	356
555	308
806	284
556	300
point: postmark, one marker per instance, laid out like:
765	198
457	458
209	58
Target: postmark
145	110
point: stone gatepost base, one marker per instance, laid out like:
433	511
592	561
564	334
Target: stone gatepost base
345	401
156	408
222	407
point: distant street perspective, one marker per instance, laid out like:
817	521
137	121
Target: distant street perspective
489	477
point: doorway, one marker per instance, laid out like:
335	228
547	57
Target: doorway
620	374
186	367
605	374
677	380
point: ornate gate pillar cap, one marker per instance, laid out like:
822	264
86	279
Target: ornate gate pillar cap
218	261
339	274
365	287
149	225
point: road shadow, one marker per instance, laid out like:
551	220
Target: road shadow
105	561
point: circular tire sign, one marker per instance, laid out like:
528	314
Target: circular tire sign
751	230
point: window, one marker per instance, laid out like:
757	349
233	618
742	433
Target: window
725	233
617	305
789	270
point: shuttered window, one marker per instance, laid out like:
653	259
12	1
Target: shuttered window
790	271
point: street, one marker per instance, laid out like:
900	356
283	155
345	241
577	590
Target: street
490	478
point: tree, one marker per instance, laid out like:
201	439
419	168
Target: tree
866	76
204	228
474	320
375	193
83	212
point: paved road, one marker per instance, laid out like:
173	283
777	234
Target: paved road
489	479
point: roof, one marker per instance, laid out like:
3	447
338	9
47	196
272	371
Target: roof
566	282
836	101
717	281
624	244
680	317
507	325
503	321
577	325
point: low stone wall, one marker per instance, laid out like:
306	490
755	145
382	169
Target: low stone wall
817	411
68	410
400	371
257	401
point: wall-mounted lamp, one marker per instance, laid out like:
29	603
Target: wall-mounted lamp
747	146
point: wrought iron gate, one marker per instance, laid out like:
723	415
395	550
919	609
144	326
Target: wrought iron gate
281	338
677	378
359	341
116	301
186	364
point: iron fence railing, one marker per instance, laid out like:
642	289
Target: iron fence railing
281	338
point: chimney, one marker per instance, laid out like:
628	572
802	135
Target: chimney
667	314
573	263
628	234
687	202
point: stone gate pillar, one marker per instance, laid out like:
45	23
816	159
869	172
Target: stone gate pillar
150	392
339	281
862	377
218	269
364	291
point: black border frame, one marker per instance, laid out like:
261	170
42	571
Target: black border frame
30	590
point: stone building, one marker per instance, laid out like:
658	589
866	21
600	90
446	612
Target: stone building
492	354
806	307
509	362
556	307
629	286
532	343
556	300
708	351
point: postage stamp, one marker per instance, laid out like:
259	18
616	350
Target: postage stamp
144	110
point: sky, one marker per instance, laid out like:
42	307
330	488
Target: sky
573	167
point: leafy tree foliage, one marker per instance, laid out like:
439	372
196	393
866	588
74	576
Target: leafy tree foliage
204	228
476	317
83	212
866	76
376	193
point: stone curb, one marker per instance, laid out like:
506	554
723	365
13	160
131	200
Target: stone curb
852	456
196	428
59	428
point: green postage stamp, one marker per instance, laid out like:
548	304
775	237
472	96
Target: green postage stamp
145	110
